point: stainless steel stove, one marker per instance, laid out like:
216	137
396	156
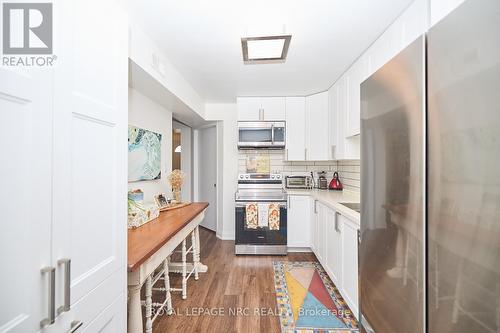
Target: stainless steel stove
260	189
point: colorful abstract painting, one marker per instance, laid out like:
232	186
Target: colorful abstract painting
144	154
308	301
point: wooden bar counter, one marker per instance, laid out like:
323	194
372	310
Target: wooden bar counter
150	244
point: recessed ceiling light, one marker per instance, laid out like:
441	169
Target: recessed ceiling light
268	49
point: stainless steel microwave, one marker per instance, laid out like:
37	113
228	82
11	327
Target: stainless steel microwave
261	134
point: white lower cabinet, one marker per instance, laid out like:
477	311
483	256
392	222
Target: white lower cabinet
349	262
335	244
321	229
299	221
334	248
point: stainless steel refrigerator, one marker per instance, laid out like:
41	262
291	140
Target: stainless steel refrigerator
430	178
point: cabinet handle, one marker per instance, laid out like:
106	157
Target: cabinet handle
305	154
333	151
261	114
289	203
286	152
75	325
359	236
51	271
337	229
67	285
315	206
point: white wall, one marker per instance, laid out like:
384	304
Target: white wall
144	113
227	137
144	52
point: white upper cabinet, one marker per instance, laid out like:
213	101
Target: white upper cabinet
249	108
273	108
261	108
295	128
356	74
333	109
317	138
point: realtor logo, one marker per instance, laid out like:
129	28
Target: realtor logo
27	28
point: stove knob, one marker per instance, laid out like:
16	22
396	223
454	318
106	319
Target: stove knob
241	176
273	177
247	177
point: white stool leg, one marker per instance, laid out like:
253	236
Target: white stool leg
166	279
196	259
184	270
135	310
149	302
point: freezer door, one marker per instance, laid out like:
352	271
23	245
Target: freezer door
392	205
464	170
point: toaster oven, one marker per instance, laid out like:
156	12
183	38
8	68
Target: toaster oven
300	182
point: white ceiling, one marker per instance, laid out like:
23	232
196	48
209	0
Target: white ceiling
202	39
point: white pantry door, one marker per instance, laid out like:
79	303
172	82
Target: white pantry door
208	174
90	144
25	197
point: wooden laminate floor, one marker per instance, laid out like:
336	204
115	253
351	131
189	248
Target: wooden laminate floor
235	295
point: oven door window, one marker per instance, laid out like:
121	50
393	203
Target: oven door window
260	135
296	181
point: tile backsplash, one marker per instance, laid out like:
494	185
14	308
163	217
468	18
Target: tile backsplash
349	170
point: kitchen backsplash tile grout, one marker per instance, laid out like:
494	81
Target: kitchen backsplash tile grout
349	170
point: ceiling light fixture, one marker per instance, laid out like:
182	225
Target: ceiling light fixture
264	50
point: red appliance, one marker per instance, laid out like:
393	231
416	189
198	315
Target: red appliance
335	183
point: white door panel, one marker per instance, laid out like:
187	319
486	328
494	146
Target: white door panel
208	175
90	143
25	169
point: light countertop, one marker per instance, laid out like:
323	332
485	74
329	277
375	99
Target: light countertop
333	200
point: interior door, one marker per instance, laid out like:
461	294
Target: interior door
90	150
208	175
25	222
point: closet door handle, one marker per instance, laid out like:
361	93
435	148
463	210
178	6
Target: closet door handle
51	271
75	325
67	285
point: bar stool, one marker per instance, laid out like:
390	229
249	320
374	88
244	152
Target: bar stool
194	250
161	274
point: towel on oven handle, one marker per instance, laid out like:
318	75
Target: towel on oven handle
251	215
274	216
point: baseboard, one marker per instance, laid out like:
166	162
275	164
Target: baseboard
225	237
299	249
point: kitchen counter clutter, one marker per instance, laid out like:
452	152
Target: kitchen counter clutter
332	199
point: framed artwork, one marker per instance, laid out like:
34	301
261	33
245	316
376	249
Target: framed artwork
144	154
161	200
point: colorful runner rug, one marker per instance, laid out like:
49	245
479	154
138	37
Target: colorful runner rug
308	301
